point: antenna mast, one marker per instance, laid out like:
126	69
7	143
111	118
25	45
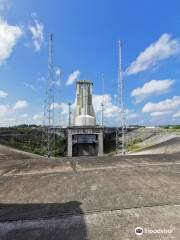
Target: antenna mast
120	130
69	114
48	138
58	74
102	104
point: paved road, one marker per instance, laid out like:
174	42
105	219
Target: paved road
88	198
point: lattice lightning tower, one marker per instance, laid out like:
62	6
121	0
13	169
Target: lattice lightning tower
121	128
48	137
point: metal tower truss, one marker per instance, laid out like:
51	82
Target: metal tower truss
121	129
48	135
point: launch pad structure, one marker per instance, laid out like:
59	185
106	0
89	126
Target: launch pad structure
85	138
85	141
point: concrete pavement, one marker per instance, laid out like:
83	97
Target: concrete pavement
88	198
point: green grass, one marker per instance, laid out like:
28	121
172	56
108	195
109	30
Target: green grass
171	127
133	147
134	144
30	140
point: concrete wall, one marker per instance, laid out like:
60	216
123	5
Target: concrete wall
89	145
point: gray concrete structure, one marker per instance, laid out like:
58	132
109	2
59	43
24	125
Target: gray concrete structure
84	112
85	140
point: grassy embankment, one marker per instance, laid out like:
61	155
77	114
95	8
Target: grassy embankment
29	139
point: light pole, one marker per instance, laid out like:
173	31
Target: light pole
69	114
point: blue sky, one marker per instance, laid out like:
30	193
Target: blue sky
86	35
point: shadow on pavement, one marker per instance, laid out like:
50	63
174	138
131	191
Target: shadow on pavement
54	221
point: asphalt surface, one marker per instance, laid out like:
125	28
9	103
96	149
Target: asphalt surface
89	197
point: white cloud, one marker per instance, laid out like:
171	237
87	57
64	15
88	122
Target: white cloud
153	55
4	4
63	107
3	94
37	118
9	35
58	76
110	110
10	116
4	109
62	111
21	104
24	115
163	106
177	114
132	115
58	71
73	77
159	114
37	30
150	88
41	79
28	85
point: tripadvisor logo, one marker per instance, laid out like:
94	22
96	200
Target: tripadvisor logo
139	231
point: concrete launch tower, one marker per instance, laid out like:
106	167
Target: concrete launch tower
84	113
85	138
